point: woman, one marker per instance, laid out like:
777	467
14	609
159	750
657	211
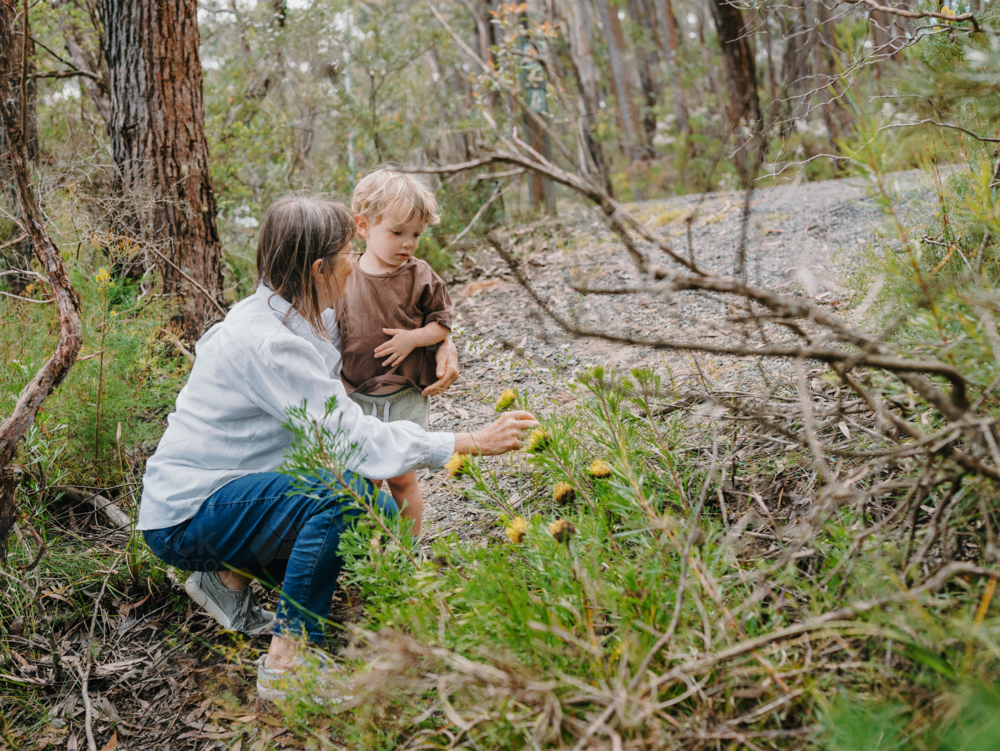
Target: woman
212	501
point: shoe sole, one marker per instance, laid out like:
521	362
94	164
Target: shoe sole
208	605
276	694
270	694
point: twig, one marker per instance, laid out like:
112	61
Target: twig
482	209
197	286
15	241
904	13
176	340
85	671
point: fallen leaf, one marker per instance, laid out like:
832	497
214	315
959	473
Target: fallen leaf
112	744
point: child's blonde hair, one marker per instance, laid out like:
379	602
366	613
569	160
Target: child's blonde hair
386	191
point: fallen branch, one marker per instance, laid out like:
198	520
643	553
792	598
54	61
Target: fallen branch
108	508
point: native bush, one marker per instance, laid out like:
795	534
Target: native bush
551	615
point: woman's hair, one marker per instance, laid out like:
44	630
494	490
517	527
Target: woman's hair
385	191
297	231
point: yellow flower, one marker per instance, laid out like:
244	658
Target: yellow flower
517	529
538	441
562	530
563	493
599	469
506	400
458	465
102	278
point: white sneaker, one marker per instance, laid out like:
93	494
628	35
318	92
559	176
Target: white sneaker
274	684
235	609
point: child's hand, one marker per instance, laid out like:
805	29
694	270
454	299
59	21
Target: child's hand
403	342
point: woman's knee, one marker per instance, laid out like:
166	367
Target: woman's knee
352	489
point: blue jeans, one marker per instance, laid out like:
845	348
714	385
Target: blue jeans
261	524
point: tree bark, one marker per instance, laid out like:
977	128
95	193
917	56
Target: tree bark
738	56
795	65
671	46
159	145
581	53
57	366
85	59
621	79
646	63
18	256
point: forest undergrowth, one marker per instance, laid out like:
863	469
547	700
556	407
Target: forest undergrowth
671	563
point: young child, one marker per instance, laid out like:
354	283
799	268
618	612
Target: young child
394	308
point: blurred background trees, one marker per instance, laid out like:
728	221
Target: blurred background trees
208	111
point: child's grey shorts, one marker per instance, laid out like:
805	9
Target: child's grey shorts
407	404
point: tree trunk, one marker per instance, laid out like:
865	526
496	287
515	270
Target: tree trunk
671	46
621	79
795	65
158	142
738	57
836	117
581	53
67	302
647	65
18	256
85	59
879	22
707	61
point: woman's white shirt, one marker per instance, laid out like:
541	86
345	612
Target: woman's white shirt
249	370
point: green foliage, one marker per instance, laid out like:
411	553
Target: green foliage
588	611
124	366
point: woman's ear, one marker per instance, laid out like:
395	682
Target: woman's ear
319	271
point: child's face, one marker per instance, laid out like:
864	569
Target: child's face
391	241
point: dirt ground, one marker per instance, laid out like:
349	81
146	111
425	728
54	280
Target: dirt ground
802	239
169	678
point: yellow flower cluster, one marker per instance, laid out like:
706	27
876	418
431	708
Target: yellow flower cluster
563	493
517	529
599	469
506	400
458	465
562	530
538	440
103	278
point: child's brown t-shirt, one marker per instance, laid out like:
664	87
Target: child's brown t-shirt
409	298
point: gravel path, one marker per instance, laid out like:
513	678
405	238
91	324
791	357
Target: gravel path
802	240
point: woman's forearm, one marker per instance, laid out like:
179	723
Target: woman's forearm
464	444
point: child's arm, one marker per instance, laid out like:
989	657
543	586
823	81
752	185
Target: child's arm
403	342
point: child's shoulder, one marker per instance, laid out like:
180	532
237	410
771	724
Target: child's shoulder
422	270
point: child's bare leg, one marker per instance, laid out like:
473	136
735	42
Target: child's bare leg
406	488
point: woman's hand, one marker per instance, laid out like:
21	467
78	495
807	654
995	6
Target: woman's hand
447	368
506	434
